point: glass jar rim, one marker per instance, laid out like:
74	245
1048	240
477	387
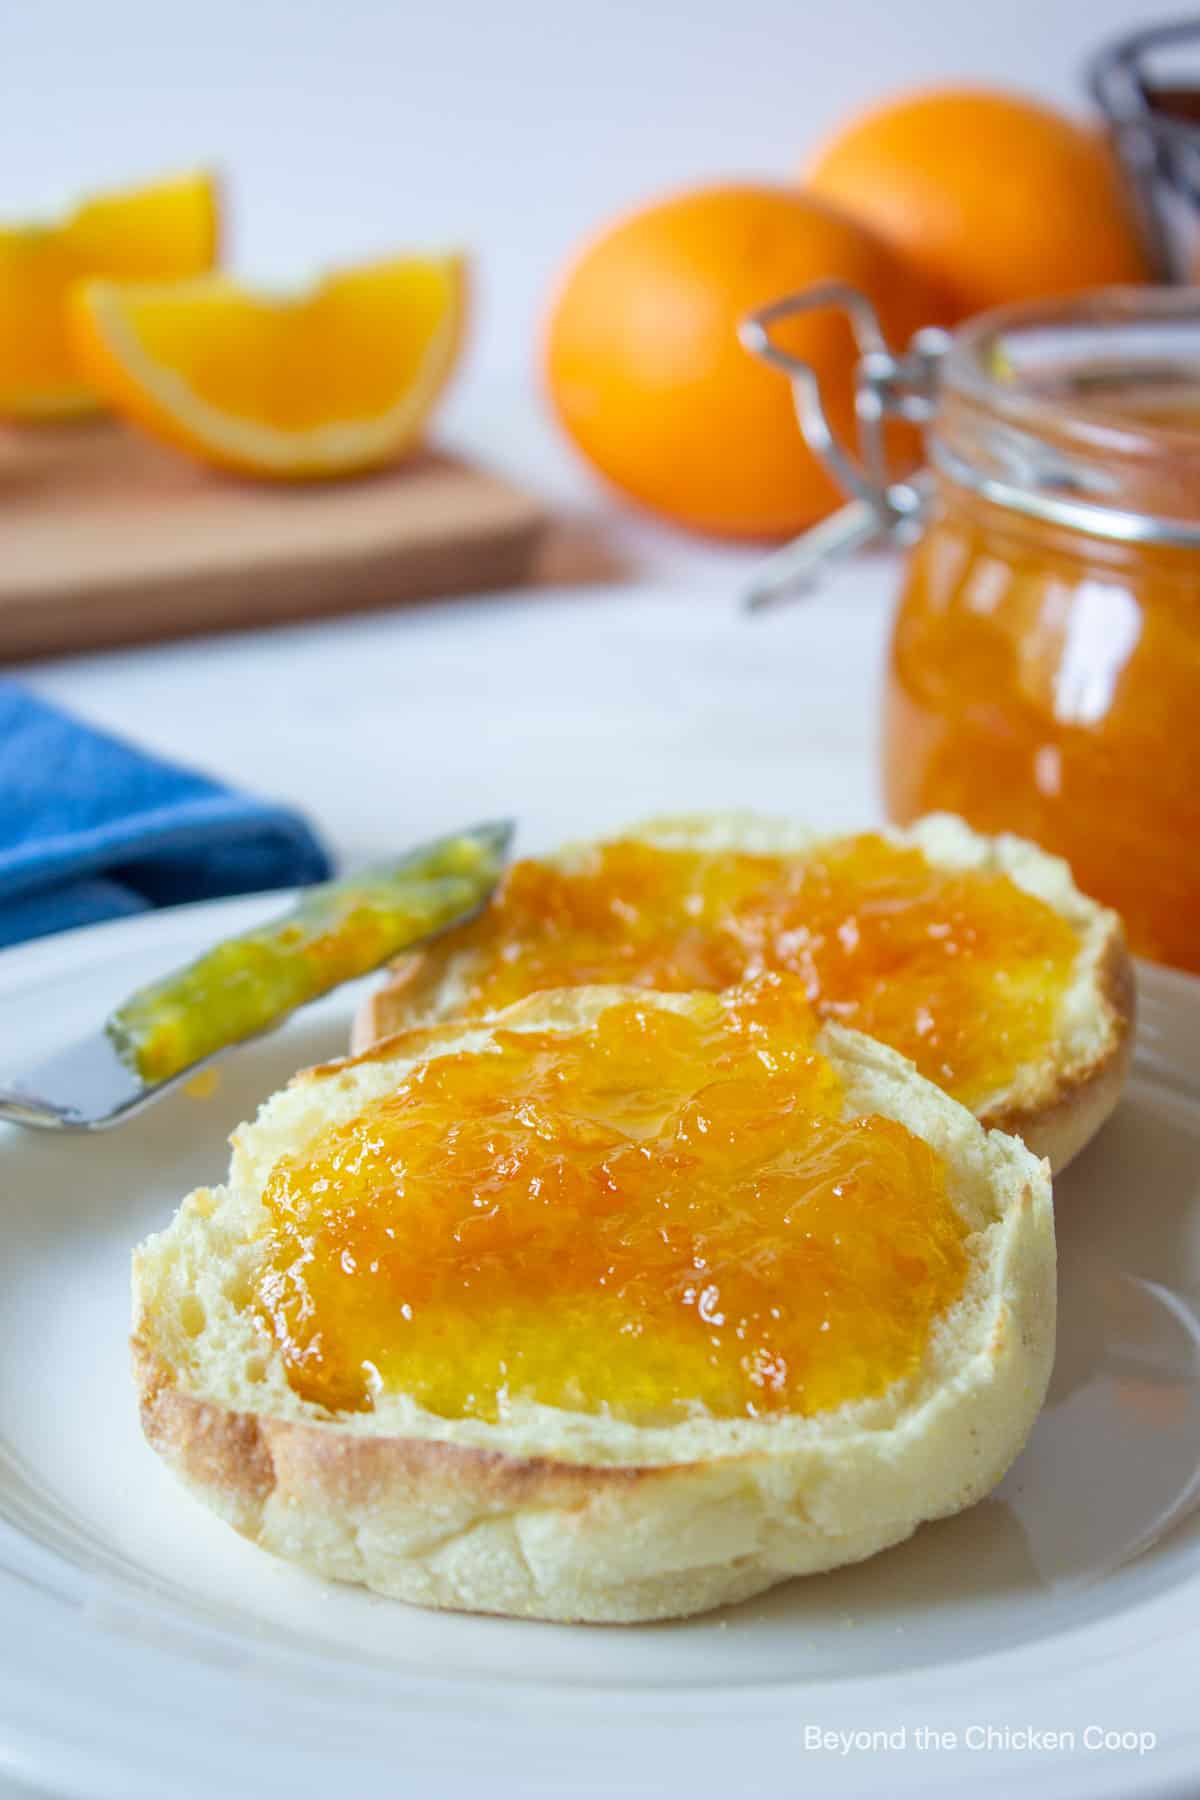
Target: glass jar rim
1010	424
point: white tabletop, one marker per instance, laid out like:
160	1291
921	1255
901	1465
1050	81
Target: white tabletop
571	709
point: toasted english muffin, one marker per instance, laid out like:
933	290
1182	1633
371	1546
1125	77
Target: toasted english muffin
1055	1100
579	1514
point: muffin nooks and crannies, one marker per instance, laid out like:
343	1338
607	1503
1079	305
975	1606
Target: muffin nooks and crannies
619	1305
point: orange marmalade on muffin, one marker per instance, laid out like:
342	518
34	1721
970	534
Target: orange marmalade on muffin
880	938
657	1211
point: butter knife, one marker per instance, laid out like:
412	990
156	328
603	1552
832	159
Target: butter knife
247	985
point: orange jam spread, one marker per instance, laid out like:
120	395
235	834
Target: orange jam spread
880	939
1046	683
651	1214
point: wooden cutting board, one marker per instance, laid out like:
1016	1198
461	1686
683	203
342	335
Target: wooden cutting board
106	539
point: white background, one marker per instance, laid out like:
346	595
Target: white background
350	127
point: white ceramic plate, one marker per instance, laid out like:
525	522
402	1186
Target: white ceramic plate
145	1650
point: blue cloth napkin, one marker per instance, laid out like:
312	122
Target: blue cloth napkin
92	828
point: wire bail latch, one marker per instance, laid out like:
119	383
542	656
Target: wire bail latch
887	385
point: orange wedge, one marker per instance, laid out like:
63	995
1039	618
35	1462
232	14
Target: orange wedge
146	234
338	379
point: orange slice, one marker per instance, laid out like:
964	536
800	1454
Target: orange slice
335	380
146	234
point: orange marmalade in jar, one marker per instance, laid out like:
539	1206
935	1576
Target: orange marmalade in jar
1044	671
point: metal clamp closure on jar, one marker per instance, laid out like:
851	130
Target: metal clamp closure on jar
1029	408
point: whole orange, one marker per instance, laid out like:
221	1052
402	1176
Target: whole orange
994	196
646	373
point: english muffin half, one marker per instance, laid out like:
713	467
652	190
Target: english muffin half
977	957
618	1306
